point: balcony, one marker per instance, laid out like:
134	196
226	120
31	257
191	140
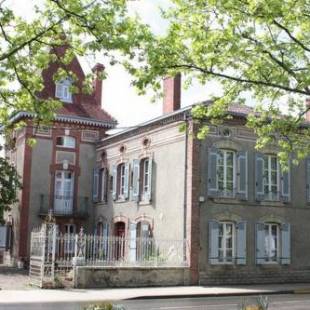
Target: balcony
64	206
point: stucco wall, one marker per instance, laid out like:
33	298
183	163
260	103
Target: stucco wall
166	210
87	277
87	164
296	212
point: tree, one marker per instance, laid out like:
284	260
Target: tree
27	47
9	185
256	47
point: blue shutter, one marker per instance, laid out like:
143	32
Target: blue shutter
242	175
259	176
285	244
136	179
96	184
308	178
213	242
114	184
148	194
133	241
126	184
212	173
260	243
285	185
241	243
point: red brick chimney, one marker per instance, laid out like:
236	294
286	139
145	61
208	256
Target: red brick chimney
97	84
172	94
308	112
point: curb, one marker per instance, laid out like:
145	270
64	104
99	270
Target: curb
282	292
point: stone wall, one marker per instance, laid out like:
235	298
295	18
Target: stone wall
96	277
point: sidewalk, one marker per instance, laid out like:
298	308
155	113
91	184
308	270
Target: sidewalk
92	295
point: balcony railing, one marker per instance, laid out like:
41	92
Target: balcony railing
64	205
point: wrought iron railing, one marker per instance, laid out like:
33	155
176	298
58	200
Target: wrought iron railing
64	205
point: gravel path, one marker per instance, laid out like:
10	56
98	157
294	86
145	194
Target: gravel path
14	279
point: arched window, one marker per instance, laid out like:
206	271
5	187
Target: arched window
63	91
65	141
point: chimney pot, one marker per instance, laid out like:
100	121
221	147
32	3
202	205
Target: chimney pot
97	84
172	94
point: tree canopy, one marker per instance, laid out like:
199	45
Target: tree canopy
257	49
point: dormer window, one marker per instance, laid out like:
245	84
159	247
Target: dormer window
63	91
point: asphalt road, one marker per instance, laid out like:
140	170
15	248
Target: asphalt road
277	302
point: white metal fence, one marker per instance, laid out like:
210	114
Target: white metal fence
52	251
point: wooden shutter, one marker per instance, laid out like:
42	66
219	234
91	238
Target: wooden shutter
259	176
260	243
126	182
135	179
96	184
148	194
114	184
242	175
285	185
212	173
285	244
133	241
241	243
213	242
308	178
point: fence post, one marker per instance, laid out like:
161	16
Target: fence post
54	236
80	249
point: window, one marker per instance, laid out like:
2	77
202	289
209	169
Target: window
271	177
65	141
272	242
226	172
121	183
226	242
63	91
145	176
103	185
272	183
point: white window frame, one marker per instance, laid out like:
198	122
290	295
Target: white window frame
62	90
268	250
225	192
227	260
267	180
146	172
122	180
67	142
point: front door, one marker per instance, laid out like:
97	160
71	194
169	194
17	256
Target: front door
63	199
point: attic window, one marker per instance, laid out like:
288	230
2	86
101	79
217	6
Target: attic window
122	149
62	90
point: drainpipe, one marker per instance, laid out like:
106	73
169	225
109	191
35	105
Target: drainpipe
185	181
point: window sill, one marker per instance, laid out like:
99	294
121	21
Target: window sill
229	200
145	203
120	200
273	203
